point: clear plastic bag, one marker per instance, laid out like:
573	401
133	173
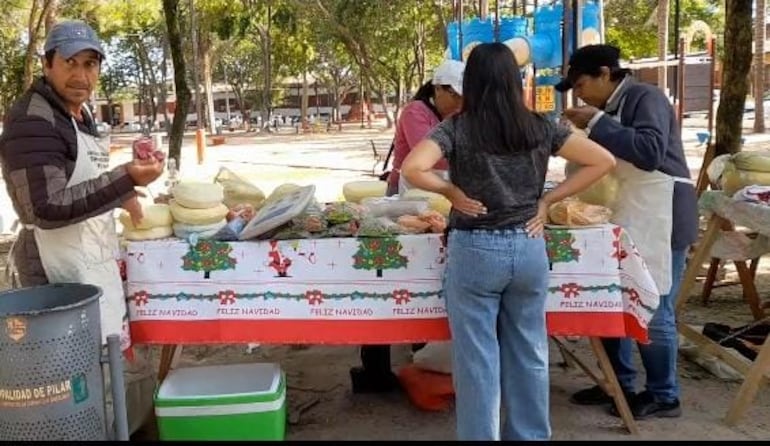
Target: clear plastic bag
237	190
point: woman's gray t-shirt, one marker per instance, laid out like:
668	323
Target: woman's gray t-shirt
508	185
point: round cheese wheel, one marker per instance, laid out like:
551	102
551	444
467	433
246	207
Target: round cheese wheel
155	215
190	216
183	230
437	202
198	195
148	234
355	191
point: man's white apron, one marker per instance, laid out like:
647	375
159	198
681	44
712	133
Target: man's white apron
87	252
644	208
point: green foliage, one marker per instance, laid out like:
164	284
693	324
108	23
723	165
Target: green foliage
632	24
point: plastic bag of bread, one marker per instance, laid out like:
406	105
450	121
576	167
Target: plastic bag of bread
312	219
601	193
237	190
573	212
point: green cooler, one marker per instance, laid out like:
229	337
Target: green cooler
222	402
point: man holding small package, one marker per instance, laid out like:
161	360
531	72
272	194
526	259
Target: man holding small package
655	203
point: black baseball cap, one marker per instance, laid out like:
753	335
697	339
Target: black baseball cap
587	60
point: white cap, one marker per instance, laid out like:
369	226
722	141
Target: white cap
450	72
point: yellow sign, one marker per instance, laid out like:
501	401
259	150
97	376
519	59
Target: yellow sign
545	99
16	328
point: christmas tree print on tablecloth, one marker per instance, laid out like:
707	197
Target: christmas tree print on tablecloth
558	243
379	254
208	256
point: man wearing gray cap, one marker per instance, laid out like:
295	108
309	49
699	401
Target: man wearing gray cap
57	175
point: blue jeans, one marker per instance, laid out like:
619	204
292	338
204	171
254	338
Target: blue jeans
660	354
495	288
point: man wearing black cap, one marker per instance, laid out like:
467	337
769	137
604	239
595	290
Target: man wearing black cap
656	204
57	174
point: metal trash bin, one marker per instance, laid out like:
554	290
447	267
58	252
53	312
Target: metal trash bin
51	385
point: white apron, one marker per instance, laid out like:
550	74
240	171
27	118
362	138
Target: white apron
87	252
643	206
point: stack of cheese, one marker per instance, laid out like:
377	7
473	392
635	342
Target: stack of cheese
197	208
156	223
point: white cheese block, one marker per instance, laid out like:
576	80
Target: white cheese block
355	191
154	215
148	234
198	195
184	230
197	216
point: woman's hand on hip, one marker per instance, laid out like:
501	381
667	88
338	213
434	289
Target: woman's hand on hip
463	203
536	225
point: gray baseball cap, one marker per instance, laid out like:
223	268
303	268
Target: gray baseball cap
71	37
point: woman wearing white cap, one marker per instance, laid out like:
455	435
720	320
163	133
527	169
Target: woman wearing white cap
436	100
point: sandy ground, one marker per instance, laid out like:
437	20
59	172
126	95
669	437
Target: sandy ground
318	375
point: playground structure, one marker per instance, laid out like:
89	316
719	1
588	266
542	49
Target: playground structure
542	35
537	40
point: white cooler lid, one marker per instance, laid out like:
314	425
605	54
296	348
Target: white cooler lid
219	380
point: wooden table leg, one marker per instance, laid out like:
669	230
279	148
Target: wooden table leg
750	294
696	262
750	385
166	358
609	383
613	386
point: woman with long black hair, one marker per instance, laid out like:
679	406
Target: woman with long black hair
496	277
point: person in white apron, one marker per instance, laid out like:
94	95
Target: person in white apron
87	252
62	189
655	204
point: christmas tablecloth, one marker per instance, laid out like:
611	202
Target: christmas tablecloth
365	290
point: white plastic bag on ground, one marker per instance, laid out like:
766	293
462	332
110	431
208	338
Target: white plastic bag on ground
435	357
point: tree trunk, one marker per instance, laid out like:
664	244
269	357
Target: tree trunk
383	97
736	65
303	105
183	96
759	66
39	11
51	15
663	44
208	82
